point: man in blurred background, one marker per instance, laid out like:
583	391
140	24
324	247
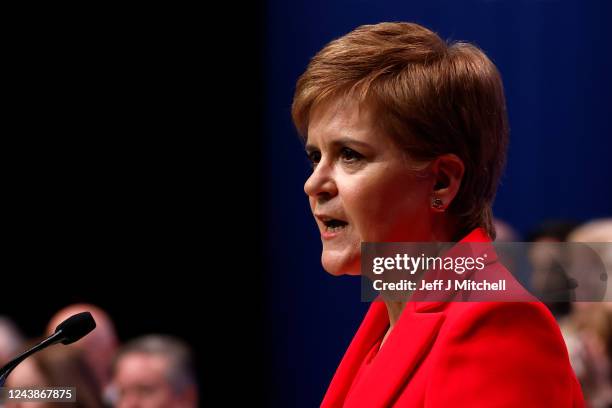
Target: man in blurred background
153	372
11	340
97	348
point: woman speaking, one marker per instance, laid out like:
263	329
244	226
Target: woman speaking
407	137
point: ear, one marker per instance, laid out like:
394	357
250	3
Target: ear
447	172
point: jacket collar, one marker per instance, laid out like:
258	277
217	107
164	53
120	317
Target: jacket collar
476	243
409	342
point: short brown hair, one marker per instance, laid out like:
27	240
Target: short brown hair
432	97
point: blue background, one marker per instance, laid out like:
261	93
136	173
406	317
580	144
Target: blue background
554	57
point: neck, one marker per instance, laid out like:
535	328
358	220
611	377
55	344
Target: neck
395	309
444	228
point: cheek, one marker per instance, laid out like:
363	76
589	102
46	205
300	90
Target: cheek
389	210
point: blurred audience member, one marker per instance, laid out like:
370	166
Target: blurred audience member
155	372
57	366
11	340
599	230
98	347
549	279
504	232
552	231
588	335
588	329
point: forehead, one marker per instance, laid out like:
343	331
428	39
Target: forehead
340	118
141	365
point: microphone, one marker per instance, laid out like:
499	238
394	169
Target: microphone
75	327
67	332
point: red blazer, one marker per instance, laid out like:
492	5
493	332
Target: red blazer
457	354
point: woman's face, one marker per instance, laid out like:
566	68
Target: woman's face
363	187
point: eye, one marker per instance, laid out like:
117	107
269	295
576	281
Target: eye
349	155
314	156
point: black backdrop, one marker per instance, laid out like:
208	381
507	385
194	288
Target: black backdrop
132	180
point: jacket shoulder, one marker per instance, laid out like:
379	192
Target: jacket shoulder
505	353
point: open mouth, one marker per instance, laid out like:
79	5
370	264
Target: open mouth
334	225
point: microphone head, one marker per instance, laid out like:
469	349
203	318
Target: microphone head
76	327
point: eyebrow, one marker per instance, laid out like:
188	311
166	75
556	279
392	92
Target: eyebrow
342	141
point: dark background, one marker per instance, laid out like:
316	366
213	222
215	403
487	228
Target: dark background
151	168
133	179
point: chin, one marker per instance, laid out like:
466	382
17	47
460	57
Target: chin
337	266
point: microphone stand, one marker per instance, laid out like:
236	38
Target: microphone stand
6	370
69	331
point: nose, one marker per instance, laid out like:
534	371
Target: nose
321	184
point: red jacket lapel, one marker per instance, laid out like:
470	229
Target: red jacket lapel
408	343
373	327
